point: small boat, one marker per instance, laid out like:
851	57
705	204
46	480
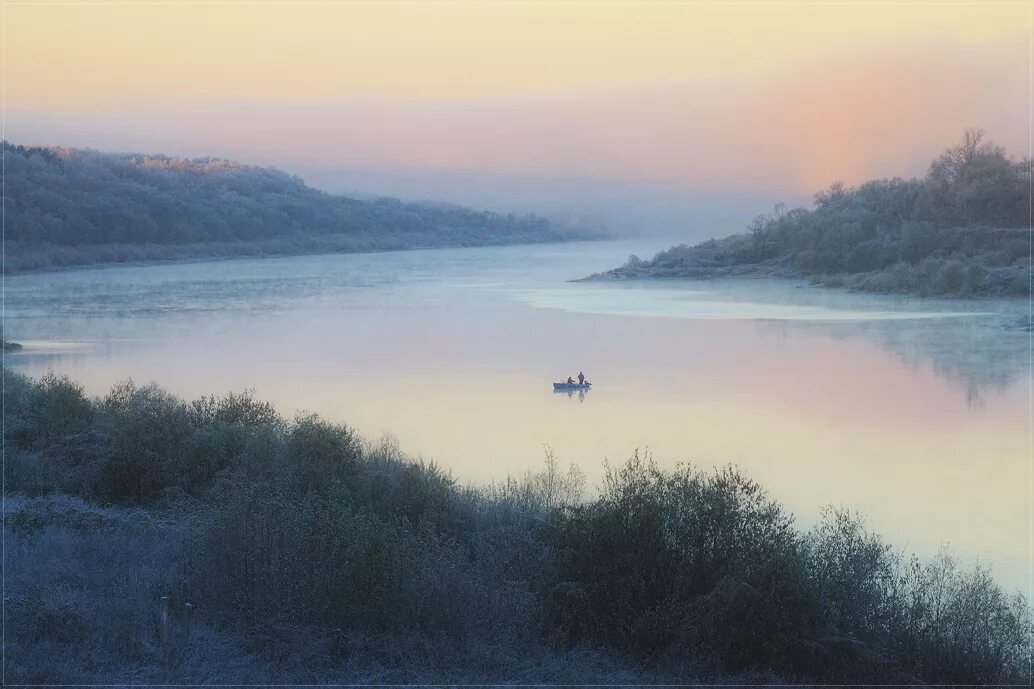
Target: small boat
572	386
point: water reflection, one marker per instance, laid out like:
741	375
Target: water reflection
572	393
976	355
973	343
914	412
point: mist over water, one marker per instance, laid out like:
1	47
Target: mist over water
914	412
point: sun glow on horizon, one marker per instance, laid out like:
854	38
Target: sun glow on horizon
706	95
70	57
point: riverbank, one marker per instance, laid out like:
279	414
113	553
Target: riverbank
78	207
962	230
933	277
122	255
294	549
637	269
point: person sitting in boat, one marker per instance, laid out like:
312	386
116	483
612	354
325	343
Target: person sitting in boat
570	380
581	378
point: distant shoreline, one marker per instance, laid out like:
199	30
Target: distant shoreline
960	231
757	272
78	208
627	273
251	251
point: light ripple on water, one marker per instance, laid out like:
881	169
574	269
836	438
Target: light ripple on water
912	411
700	305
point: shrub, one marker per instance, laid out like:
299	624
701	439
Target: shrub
298	530
951	277
272	555
900	277
234	409
677	565
317	445
679	561
854	571
954	625
149	433
42	411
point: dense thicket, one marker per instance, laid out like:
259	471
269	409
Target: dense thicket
66	206
310	556
960	230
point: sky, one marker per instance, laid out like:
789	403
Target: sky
643	111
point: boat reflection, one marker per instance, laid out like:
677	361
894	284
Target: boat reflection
571	393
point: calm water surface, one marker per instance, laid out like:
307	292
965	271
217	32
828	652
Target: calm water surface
914	412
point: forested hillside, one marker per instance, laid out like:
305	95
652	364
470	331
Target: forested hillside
961	230
68	206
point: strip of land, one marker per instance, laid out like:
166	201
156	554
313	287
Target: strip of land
70	207
960	231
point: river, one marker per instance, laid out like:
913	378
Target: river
914	412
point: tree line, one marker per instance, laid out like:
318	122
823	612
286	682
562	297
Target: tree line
962	229
67	205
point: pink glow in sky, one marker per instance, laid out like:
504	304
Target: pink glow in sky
781	98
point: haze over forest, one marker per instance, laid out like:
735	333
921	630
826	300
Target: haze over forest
68	207
665	122
963	229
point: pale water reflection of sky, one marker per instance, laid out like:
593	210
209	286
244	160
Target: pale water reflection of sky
914	412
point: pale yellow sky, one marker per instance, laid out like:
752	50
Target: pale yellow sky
703	95
72	57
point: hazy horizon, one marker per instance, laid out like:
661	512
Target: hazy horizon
657	118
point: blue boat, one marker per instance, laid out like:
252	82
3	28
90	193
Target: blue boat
572	386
